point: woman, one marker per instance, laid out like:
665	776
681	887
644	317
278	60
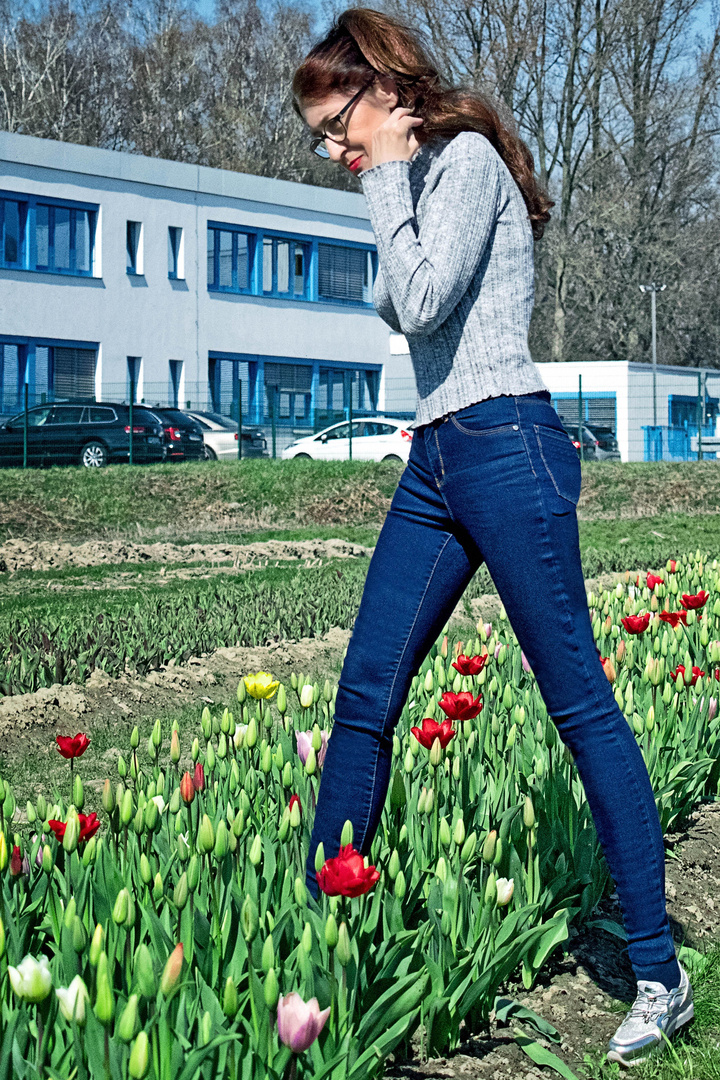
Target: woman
492	475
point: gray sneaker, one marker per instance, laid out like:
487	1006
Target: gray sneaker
656	1010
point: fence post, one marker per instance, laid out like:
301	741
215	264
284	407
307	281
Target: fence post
130	455
25	425
700	411
350	419
580	418
274	403
239	419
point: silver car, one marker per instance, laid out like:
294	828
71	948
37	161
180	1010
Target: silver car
220	435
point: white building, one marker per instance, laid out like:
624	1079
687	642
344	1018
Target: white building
618	394
119	271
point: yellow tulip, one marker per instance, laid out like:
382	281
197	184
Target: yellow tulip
261	685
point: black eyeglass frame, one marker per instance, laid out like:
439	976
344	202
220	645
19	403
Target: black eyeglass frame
315	142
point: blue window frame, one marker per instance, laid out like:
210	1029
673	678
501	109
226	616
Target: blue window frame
273	264
175	268
46	235
52	369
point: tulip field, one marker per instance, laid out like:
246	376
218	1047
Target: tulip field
166	931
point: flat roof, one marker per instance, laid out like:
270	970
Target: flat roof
92	161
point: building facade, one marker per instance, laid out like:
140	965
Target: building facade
121	274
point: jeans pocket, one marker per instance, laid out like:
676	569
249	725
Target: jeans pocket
561	462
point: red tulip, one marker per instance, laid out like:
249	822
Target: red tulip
347	874
199	777
716	673
15	861
72	747
462	706
431	730
673	564
652	580
470	665
187	788
695	600
295	799
696	673
674	617
636	624
89	825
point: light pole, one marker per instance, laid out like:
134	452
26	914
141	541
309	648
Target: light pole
652	289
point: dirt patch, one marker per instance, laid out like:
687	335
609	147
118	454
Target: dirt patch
583	993
53	555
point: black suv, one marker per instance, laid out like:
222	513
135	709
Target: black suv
82	433
183	435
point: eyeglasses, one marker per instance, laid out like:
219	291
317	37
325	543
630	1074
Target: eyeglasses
335	127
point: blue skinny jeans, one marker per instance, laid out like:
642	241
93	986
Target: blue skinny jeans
497	482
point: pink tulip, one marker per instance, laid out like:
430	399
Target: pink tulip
304	742
524	662
712	707
497	649
488	629
299	1022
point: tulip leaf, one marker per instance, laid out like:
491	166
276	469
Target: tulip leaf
506	1008
610	926
382	1046
541	1056
403	996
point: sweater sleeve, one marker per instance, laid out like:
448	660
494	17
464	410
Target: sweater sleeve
383	304
427	271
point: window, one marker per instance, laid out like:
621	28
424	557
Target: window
176	260
66	414
133	377
133	244
228	259
47	235
283	266
176	367
12	376
95	415
74	372
36	417
342	272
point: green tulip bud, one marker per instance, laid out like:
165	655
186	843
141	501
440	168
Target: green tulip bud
144	973
120	909
528	813
70	912
79	935
295	816
311	762
300	892
429	801
268	954
126	808
139	820
331	931
135	738
343	950
271	990
96	945
307	938
30	812
445	836
158	888
47	859
491	890
346	836
409	761
193	873
250	919
180	892
72	831
256	851
459	832
441	868
230	999
221	841
400	886
127	1024
251	735
139	1057
104	1003
394	865
41	807
2	939
468	848
183	848
436	753
488	851
121	767
151	815
206	836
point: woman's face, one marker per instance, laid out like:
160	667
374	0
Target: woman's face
361	120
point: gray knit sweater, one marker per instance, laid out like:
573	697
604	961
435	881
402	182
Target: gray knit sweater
455	275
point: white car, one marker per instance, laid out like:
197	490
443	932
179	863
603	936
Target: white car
220	436
377	438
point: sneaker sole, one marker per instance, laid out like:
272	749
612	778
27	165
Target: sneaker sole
616	1055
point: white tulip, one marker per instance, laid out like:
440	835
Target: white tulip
505	891
72	1000
31	979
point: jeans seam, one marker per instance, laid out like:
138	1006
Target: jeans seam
527	448
659	868
392	686
437	443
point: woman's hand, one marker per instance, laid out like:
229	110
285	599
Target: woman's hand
395	139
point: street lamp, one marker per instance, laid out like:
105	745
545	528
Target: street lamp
652	289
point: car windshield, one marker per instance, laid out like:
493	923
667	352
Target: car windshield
176	416
218	418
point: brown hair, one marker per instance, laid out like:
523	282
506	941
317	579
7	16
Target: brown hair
362	41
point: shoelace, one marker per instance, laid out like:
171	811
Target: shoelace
649	1006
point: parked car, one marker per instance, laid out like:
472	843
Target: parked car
379	438
92	434
220	436
607	445
183	435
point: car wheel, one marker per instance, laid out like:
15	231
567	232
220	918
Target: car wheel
391	457
93	455
303	455
210	454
